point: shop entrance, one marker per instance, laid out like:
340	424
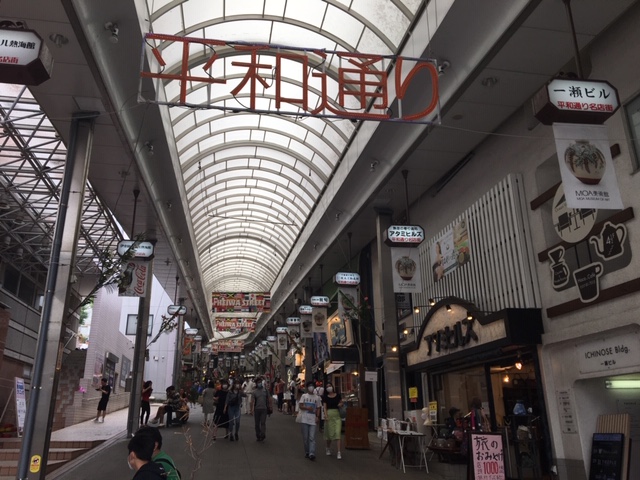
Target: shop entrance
512	399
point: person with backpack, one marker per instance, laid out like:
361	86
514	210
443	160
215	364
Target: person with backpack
139	459
232	409
158	456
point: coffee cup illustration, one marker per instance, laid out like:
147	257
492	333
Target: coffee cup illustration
319	319
588	281
306	326
406	268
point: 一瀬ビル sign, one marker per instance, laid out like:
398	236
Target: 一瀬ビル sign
363	84
572	100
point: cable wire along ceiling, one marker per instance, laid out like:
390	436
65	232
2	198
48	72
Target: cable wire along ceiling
252	180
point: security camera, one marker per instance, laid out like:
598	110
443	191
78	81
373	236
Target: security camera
443	66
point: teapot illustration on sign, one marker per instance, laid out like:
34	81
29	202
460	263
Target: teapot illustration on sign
610	243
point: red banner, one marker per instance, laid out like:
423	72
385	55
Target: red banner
363	84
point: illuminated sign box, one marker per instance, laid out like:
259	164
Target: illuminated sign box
344	278
24	58
575	101
404	235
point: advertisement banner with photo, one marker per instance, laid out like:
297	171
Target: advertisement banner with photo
282	341
133	282
405	266
235	324
320	348
586	167
451	250
340	326
319	317
305	326
241	302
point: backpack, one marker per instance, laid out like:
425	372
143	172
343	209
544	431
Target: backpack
165	461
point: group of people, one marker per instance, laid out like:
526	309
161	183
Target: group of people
176	403
312	407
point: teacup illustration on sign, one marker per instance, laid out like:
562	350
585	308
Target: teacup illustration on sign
588	281
559	268
406	268
610	244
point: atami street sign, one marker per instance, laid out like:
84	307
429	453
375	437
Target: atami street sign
293	78
141	249
24	58
404	235
575	101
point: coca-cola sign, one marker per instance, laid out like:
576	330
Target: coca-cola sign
133	281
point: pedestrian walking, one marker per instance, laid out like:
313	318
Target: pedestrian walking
247	387
145	405
332	401
105	389
261	406
232	409
208	406
220	418
309	407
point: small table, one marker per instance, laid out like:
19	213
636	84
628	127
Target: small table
422	447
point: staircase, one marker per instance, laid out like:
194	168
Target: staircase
60	452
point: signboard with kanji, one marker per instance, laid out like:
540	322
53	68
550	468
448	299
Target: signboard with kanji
404	235
299	79
24	58
565	100
487	456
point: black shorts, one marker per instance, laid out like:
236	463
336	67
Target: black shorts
103	404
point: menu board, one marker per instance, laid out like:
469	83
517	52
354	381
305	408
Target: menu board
607	454
487	456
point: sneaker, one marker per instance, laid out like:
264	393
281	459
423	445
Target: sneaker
339	456
312	457
102	420
306	455
328	451
95	420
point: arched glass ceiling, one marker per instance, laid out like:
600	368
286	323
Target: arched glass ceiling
253	180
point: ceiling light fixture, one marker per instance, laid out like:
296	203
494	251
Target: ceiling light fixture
625	384
518	365
448	308
506	378
113	30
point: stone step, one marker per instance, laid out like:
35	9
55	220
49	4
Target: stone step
60	452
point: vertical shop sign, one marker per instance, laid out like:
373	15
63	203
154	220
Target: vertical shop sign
586	166
21	405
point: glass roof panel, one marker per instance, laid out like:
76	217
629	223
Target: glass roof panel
252	180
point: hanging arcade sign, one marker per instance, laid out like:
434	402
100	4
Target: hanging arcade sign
241	302
235	324
365	91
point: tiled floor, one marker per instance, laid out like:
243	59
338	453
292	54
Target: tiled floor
280	456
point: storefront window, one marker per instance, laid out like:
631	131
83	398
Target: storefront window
457	389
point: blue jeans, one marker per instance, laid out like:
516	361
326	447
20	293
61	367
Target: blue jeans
234	419
309	438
